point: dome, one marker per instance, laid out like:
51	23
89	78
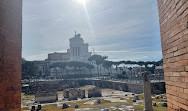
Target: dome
77	37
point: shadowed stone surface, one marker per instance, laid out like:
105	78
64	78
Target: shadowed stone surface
73	94
10	54
60	85
94	92
46	97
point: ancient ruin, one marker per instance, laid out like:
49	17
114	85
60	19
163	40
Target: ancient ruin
46	97
94	92
173	28
73	94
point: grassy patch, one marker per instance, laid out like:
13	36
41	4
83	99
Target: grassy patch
159	108
104	104
139	107
27	96
51	107
130	101
25	109
157	100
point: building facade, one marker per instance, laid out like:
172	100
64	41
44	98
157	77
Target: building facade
58	57
78	51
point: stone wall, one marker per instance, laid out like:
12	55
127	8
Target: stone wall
173	18
10	54
54	86
94	92
46	97
66	94
73	94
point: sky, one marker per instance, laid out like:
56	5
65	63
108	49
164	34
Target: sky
119	29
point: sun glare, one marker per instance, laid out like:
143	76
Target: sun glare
82	1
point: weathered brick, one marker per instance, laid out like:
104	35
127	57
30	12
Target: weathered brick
186	79
183	45
183	95
172	49
181	63
175	107
185	56
186	68
169	55
172	74
170	104
177	89
172	92
174	40
185	74
167	78
186	91
182	9
177	79
170	109
11	29
175	69
185	107
185	13
180	52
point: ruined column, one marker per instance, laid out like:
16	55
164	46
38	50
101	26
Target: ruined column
147	92
10	54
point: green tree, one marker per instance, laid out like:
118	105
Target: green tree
140	63
61	65
75	64
29	70
99	60
108	65
89	67
116	64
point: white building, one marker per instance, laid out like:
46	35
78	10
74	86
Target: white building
78	51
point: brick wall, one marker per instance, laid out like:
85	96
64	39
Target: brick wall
10	54
173	18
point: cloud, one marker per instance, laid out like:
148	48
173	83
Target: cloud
36	57
132	58
123	29
144	52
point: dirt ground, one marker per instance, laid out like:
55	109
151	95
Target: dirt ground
113	100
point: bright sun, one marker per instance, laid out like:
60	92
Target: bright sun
82	1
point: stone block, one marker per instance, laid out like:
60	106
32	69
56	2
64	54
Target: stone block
46	97
73	94
66	94
94	92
